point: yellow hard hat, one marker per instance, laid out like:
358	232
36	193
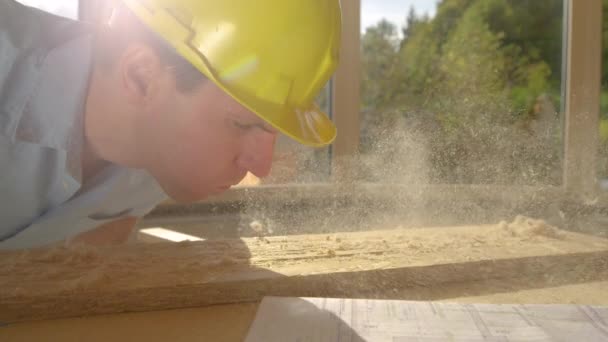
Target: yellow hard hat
272	56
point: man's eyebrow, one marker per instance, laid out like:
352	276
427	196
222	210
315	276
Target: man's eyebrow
257	122
261	125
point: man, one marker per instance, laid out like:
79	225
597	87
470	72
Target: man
170	97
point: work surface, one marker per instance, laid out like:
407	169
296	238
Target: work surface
385	320
527	263
230	323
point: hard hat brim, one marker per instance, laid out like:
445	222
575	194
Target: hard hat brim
308	126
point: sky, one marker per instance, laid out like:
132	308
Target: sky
66	8
395	11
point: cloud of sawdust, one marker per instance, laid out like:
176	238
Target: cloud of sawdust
410	173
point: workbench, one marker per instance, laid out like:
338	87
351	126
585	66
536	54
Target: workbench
209	290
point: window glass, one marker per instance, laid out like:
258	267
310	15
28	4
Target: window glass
461	91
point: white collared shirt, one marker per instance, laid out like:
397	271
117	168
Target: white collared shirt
44	73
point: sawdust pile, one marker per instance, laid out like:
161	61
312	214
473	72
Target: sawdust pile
528	227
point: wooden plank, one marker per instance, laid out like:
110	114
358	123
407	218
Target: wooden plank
338	206
157	234
359	206
316	191
582	98
79	281
225	323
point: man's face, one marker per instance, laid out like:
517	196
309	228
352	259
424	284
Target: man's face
202	142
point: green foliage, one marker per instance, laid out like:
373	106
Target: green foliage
379	59
604	130
480	80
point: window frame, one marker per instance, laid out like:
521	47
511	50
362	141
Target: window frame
583	66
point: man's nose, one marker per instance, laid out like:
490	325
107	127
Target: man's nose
257	154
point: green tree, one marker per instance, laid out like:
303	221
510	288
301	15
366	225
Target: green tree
417	65
379	55
411	22
469	79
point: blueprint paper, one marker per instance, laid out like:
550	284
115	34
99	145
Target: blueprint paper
355	320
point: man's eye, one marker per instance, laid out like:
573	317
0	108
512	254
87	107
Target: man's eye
243	126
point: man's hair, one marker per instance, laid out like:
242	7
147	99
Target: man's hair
121	27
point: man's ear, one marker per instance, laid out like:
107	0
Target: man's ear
141	69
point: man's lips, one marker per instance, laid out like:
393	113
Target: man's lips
226	187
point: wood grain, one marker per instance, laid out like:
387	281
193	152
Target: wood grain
81	281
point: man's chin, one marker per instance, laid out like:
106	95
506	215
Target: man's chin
186	197
218	191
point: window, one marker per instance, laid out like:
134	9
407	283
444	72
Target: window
65	8
461	112
461	92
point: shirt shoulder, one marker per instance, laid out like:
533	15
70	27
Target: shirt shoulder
44	66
